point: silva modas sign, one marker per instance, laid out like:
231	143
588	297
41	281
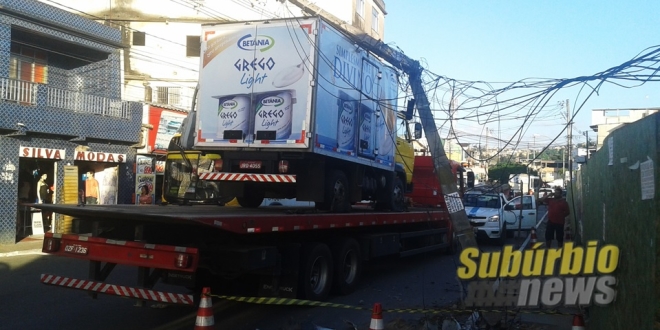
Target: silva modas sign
572	275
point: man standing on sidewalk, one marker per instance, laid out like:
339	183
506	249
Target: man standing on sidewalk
557	212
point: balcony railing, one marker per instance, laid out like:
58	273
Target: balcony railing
80	102
24	92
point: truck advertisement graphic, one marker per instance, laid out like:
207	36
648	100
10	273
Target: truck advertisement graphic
256	85
278	84
364	92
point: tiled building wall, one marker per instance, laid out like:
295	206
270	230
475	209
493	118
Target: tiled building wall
51	127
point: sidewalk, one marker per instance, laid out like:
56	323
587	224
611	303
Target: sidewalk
27	245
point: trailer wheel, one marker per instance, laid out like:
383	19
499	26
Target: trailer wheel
337	198
252	198
316	272
348	265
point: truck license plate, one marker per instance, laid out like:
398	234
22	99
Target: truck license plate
75	249
250	165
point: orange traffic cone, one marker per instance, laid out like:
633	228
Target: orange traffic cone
377	318
578	322
533	236
204	318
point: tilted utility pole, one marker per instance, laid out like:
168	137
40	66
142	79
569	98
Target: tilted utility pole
460	222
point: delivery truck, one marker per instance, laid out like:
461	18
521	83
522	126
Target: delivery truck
296	110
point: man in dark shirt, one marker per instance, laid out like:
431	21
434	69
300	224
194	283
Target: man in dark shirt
557	212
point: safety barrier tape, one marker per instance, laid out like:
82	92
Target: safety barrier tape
302	302
118	290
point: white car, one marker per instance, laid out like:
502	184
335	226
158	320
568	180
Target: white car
485	213
493	216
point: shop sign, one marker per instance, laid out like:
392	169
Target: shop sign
143	164
45	153
102	157
160	166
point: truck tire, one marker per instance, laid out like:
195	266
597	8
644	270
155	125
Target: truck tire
251	198
393	198
337	193
315	272
348	265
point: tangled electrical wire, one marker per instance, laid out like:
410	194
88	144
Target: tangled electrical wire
483	103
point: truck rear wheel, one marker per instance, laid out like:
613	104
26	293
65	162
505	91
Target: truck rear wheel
316	271
348	265
251	198
337	198
393	197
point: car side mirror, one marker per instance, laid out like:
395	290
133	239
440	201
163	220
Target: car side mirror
508	207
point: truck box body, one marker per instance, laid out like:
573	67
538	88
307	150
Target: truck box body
294	85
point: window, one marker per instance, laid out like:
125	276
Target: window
374	19
359	7
28	64
139	38
169	95
193	46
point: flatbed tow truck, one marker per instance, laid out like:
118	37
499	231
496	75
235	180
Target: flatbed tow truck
268	251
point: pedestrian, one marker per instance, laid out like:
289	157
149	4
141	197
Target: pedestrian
557	212
530	192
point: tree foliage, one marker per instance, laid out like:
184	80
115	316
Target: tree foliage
501	172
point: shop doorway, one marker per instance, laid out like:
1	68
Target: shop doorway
36	184
98	182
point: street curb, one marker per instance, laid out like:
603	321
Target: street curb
22	253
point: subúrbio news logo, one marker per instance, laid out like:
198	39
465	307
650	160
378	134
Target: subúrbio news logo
572	275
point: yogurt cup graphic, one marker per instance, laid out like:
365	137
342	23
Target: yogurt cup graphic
346	121
366	131
233	114
273	113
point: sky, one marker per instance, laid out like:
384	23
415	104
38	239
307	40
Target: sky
506	41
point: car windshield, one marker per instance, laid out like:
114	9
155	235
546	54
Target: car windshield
482	200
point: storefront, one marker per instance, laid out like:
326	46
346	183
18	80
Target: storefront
46	170
97	174
37	178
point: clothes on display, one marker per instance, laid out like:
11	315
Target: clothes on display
92	191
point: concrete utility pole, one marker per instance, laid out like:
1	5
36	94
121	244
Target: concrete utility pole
460	222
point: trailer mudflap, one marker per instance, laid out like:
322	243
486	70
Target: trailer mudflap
168	257
118	290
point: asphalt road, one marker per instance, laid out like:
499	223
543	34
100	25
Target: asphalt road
425	281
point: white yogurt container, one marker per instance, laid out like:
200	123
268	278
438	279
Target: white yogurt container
273	112
233	114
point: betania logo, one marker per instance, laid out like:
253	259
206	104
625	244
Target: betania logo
261	43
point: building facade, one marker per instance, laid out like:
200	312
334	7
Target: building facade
66	136
603	121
